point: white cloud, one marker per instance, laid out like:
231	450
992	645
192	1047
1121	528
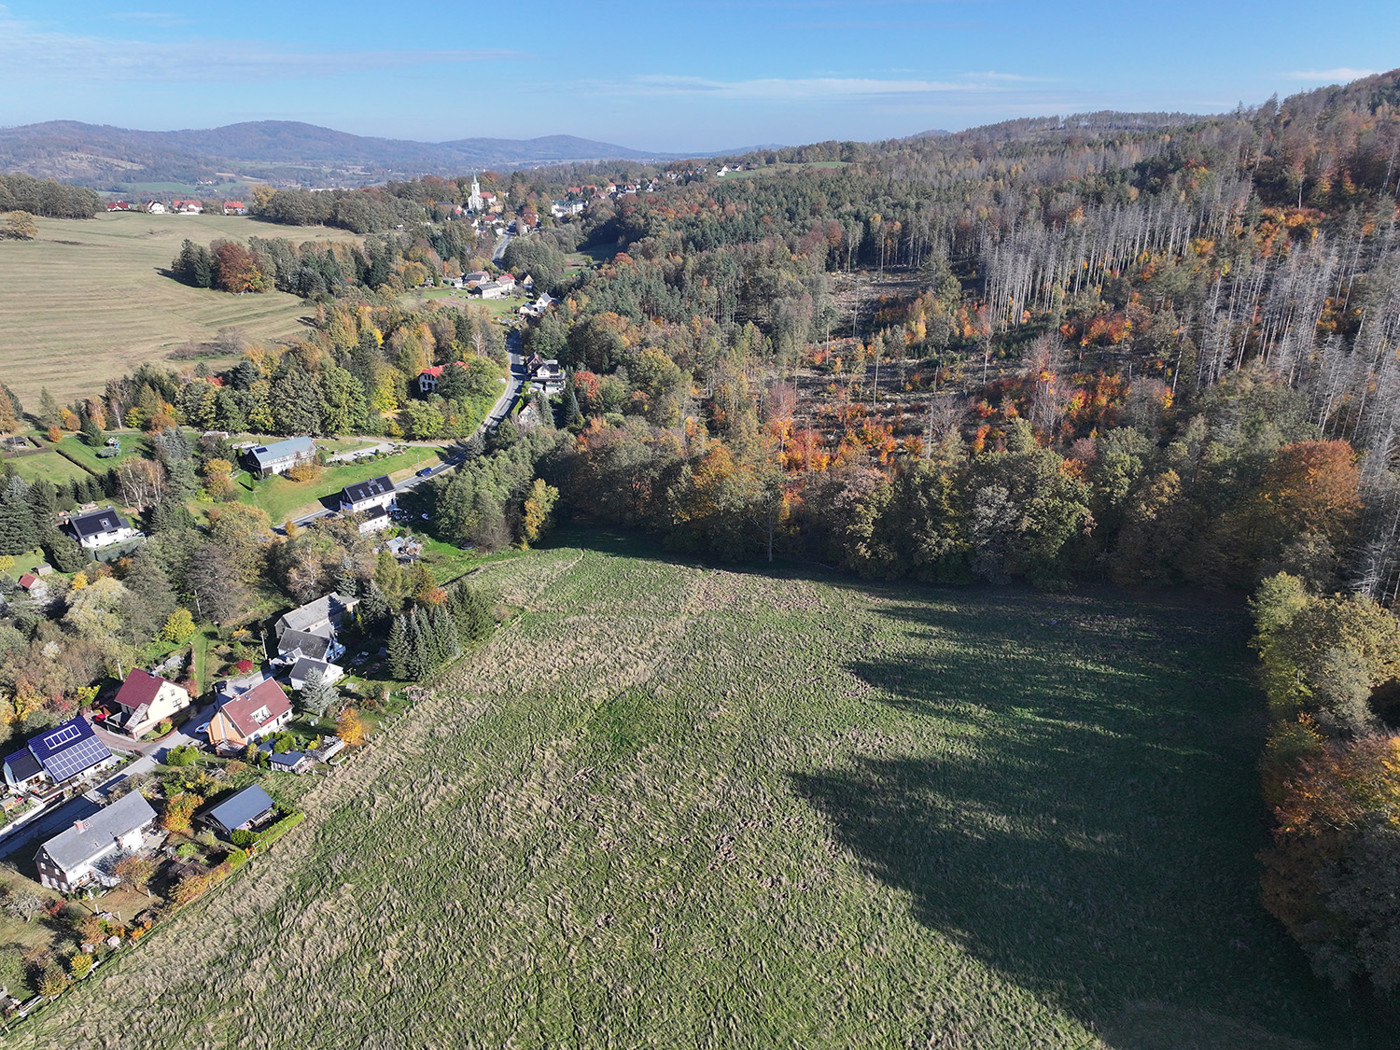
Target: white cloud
29	53
1341	75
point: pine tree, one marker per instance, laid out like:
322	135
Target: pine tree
50	415
17	532
317	695
399	653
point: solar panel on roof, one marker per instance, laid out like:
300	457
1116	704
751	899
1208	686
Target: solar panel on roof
74	760
61	736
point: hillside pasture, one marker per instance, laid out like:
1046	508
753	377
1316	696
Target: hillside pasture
673	806
87	301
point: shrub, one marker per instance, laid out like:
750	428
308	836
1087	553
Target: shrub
243	838
183	755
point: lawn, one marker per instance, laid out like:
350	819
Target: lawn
86	301
674	806
47	465
283	498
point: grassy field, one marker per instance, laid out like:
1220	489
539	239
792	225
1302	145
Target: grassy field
283	498
670	806
49	465
86	300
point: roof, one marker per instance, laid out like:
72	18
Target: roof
363	490
28	580
305	665
287	758
97	522
332	607
435	371
242	709
93	836
233	204
69	749
23	765
140	688
239	809
308	644
297	446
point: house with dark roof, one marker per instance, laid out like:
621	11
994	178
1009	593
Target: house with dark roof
144	701
290	762
280	456
310	630
101	528
306	665
365	495
374	520
65	752
241	812
89	850
259	712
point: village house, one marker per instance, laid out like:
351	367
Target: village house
34	587
366	495
280	456
241	812
144	701
303	668
310	630
429	378
290	762
259	712
235	208
475	277
187	207
492	290
563	209
88	851
375	520
66	752
121	206
101	528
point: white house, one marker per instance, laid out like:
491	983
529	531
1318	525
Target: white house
376	519
366	495
101	528
89	850
493	290
144	701
280	456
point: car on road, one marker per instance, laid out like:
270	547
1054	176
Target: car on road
426	472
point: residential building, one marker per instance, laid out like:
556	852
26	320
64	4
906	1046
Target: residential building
101	528
492	290
429	378
310	630
88	852
366	495
376	519
302	669
121	206
144	701
235	208
241	812
280	456
563	209
259	712
66	752
186	207
154	207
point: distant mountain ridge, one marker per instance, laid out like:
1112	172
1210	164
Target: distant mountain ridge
279	151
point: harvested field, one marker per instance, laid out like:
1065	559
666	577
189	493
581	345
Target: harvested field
86	300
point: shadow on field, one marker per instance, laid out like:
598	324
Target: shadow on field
1089	829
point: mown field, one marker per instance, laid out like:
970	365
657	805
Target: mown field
669	806
86	300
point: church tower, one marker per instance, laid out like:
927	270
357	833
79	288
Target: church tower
474	201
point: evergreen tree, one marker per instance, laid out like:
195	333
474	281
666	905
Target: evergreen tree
92	433
373	610
400	656
63	552
50	415
17	531
317	695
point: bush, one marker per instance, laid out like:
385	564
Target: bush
243	838
183	755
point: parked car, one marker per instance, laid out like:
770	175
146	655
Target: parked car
426	472
202	729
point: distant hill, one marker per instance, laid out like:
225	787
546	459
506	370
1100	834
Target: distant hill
279	151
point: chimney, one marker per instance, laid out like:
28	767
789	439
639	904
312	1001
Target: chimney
77	825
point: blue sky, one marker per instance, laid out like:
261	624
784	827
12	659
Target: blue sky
674	76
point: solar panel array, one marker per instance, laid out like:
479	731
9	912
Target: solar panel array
62	735
75	759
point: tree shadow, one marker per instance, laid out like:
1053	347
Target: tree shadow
1084	823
